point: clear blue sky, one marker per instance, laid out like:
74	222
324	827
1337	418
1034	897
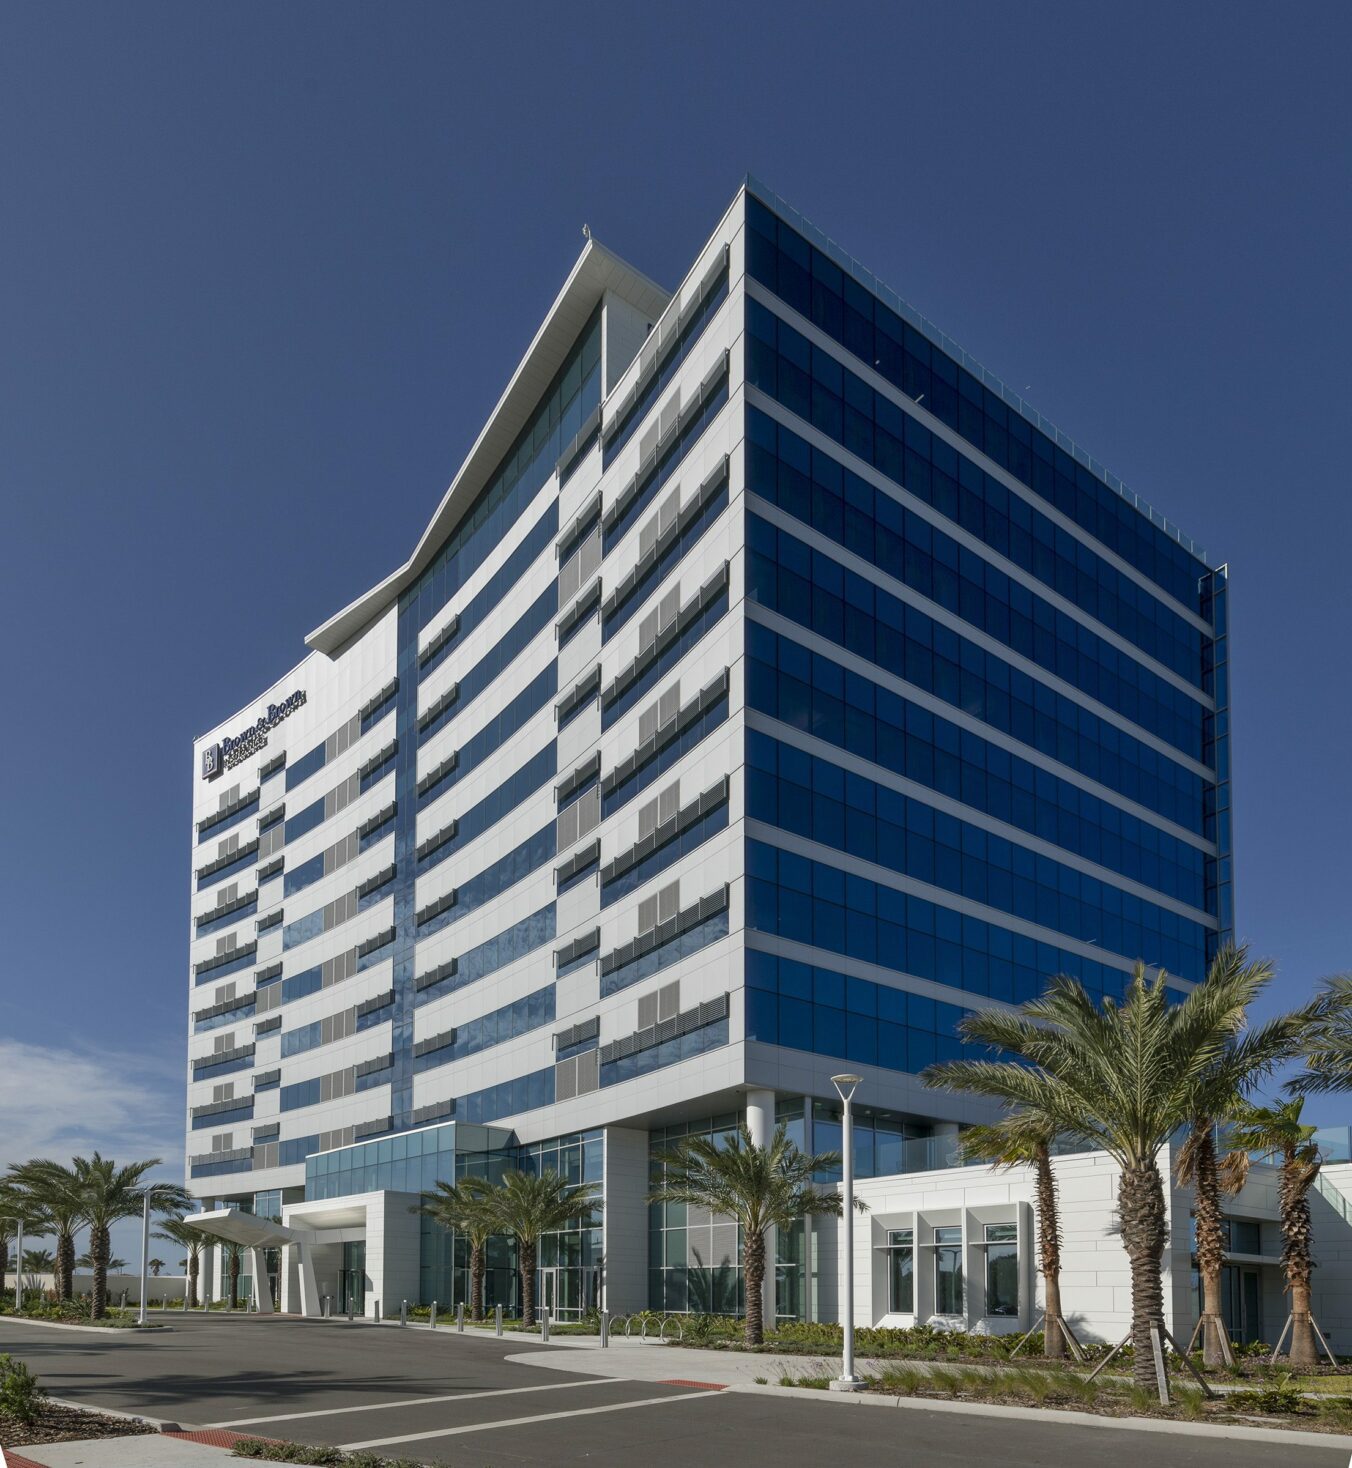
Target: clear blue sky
264	269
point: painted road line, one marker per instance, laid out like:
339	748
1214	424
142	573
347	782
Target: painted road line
507	1391
389	1442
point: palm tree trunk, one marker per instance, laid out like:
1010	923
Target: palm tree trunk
1049	1252
527	1284
234	1281
753	1274
1296	1240
1140	1204
1210	1243
192	1281
98	1257
65	1263
476	1281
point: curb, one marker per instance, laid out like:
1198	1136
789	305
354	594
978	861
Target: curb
113	1331
1059	1417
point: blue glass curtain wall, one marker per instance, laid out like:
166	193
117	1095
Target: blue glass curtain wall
814	285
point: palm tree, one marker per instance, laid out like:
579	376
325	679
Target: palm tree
175	1231
1328	1043
469	1208
38	1261
108	1193
761	1188
527	1205
1245	1060
1120	1076
112	1264
54	1188
155	1266
234	1258
1279	1130
1024	1137
17	1205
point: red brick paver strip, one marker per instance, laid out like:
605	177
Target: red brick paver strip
708	1386
219	1437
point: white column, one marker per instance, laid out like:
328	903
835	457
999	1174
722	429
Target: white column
262	1293
760	1121
309	1290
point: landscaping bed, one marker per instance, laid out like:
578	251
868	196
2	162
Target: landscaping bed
28	1417
274	1452
1276	1404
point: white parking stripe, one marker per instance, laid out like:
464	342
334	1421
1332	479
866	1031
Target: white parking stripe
510	1391
388	1442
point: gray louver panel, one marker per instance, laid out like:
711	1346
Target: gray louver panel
712	589
699	705
707	490
440	640
584	1029
442	770
435	975
691	917
585	943
583	857
214	1108
682	1024
712	798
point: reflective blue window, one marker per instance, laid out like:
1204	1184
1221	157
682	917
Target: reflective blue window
809	282
814	694
795	580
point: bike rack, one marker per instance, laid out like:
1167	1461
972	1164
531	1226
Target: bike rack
671	1320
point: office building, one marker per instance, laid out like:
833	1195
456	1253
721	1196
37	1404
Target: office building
770	686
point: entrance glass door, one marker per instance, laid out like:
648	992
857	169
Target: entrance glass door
1242	1302
547	1292
352	1280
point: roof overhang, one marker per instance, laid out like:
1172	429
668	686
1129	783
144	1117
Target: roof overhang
597	271
245	1228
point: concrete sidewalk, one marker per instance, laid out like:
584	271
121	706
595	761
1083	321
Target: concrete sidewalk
647	1361
163	1450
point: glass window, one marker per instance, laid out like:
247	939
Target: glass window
1002	1269
900	1271
948	1271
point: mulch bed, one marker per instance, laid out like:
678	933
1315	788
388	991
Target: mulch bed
65	1424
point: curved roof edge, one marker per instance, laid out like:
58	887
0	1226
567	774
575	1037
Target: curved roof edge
597	271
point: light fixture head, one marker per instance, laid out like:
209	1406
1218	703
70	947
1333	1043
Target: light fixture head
845	1085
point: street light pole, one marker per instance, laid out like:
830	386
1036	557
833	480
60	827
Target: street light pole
18	1273
845	1088
145	1255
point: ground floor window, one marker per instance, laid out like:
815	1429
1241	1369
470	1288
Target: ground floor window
948	1270
901	1271
1002	1269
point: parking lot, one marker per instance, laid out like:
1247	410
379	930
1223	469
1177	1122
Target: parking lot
446	1398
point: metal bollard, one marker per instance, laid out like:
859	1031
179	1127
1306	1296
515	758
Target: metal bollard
460	1317
123	1305
328	1306
377	1312
544	1325
497	1319
605	1329
432	1320
403	1313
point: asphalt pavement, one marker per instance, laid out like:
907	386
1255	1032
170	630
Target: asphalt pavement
446	1398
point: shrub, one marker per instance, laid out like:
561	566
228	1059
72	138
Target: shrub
20	1396
1280	1398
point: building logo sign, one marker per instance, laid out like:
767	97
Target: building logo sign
216	758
